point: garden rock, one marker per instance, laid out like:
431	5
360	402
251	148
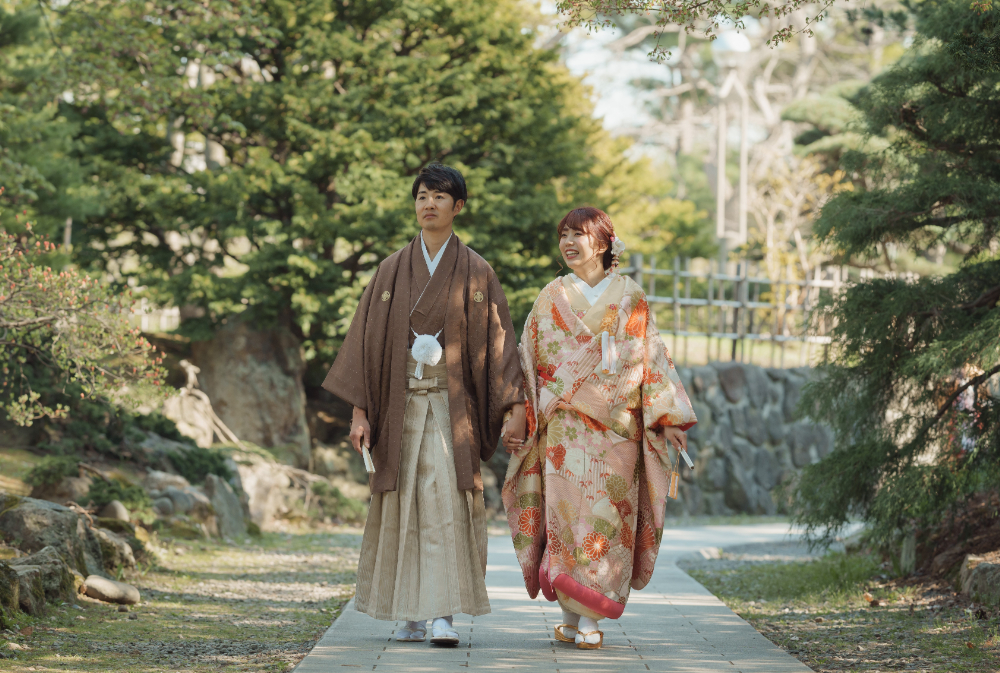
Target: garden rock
757	386
980	580
115	510
10	591
163	506
704	378
193	417
793	391
114	549
68	489
254	379
227	507
39	524
31	594
738	419
775	427
111	591
265	487
46	572
160	481
745	452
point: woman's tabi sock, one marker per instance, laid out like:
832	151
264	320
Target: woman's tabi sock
587	625
570	618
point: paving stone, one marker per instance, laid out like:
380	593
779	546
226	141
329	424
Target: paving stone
674	624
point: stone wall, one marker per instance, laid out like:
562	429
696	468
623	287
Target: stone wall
746	441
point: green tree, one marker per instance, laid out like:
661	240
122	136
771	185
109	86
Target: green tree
313	119
913	392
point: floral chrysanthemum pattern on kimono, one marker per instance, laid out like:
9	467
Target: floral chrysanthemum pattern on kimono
585	495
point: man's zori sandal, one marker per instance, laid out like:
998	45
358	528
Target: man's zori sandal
582	644
562	637
407	636
442	633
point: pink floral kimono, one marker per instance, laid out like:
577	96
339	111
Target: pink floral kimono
585	495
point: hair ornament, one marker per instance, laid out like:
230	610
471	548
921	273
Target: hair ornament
617	246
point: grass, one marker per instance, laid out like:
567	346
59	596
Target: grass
818	612
207	606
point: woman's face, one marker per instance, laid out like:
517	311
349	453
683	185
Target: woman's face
579	252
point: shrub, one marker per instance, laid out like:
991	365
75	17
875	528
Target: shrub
197	463
331	502
103	491
52	470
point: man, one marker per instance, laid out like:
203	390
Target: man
430	365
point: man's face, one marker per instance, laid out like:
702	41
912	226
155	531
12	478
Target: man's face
436	210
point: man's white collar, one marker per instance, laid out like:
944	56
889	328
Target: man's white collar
432	264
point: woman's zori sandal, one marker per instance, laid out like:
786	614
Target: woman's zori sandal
562	637
413	632
582	644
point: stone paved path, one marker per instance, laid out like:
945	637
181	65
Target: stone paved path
674	624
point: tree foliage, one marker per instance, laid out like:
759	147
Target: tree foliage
59	329
914	391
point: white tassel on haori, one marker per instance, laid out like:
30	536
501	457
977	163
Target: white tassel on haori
609	355
426	351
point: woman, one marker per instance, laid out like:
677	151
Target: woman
586	490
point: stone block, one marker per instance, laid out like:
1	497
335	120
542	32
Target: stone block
755	430
732	379
724	437
793	391
757	385
738	419
765	469
703	379
775	424
745	452
739	488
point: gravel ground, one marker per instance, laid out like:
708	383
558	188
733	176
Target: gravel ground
206	606
843	613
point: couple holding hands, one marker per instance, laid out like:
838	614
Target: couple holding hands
588	406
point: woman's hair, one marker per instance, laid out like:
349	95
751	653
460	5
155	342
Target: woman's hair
441	178
594	223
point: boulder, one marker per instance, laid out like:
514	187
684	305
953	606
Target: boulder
114	549
715	476
745	452
163	506
111	591
47	570
10	592
31	594
724	436
732	379
980	580
39	524
193	417
68	489
703	379
228	510
115	510
254	379
160	481
265	487
738	419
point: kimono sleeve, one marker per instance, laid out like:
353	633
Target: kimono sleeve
347	378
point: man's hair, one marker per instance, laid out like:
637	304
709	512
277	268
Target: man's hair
441	178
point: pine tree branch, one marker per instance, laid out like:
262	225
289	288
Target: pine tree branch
943	409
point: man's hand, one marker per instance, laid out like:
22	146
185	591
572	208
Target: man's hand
515	429
677	437
361	432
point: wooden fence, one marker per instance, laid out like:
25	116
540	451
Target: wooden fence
734	302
